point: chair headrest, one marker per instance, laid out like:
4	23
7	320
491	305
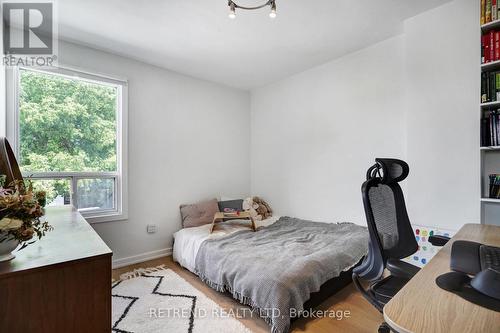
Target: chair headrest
393	170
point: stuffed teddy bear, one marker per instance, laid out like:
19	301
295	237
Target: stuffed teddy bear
259	209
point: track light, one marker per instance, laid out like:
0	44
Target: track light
232	11
272	14
233	6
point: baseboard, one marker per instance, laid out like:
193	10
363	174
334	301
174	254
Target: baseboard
141	257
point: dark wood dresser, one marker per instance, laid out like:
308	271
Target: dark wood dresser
61	283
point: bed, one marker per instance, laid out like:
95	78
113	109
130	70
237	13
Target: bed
286	264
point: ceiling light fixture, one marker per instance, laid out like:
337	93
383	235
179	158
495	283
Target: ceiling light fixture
233	5
232	10
272	14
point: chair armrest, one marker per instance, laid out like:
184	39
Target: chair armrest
401	269
438	240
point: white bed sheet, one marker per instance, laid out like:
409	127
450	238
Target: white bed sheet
187	241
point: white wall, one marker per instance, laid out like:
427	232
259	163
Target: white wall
315	134
414	96
442	56
180	128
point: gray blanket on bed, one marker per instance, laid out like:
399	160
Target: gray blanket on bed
275	269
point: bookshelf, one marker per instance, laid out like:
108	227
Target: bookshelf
490	164
494	65
489	154
490	26
490	105
490	200
490	148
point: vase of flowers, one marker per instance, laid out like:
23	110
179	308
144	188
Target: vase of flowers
7	246
20	211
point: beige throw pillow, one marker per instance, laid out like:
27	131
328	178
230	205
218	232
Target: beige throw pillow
199	213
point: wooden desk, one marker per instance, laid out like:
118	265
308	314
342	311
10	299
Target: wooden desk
61	283
421	306
220	216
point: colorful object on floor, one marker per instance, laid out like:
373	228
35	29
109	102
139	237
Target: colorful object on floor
425	249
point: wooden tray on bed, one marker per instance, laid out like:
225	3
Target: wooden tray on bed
221	216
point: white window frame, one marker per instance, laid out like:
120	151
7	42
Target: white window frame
120	176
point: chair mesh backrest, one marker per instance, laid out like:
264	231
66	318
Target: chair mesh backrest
383	208
386	209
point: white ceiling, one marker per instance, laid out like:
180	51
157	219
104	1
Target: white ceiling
196	37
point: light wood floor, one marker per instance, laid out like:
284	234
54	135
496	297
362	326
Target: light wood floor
364	318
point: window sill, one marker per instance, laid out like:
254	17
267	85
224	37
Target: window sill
102	217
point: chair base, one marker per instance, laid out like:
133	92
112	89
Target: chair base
386	288
384	328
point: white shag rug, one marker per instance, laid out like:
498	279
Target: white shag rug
157	300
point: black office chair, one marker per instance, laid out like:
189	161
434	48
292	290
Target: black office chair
391	235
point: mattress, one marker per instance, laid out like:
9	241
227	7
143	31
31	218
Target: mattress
187	241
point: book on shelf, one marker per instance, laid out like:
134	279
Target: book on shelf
485	43
485	132
490	129
491	42
497	86
490	46
484	87
496	45
490	86
483	8
493	128
492	93
494	186
494	131
494	10
490	11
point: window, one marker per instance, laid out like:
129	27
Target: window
68	130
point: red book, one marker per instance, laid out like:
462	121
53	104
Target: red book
486	43
492	45
482	50
494	10
497	45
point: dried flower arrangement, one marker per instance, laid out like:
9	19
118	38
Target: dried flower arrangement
20	211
